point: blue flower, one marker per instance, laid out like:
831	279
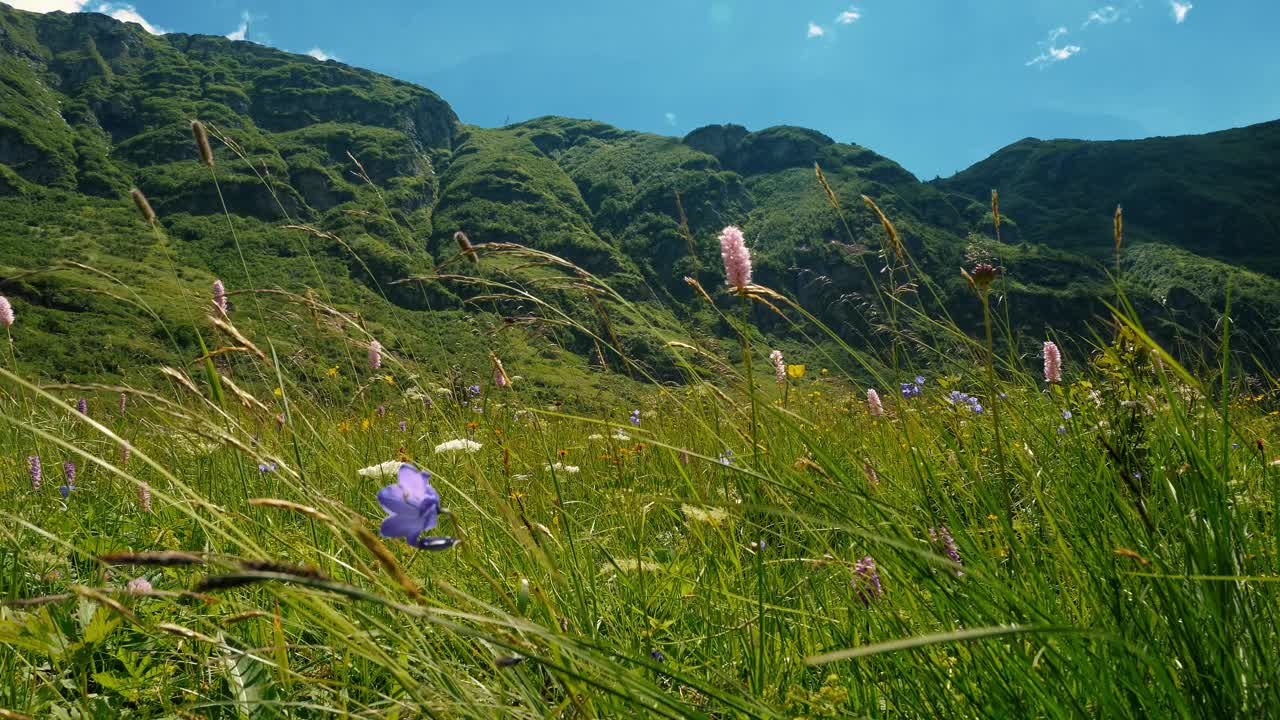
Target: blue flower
910	390
474	390
1062	430
955	397
726	457
635	418
1066	414
919	380
412	506
69	470
266	467
941	538
867	579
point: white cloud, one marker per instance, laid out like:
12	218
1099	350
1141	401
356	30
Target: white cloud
1064	53
1053	52
671	119
849	17
44	6
242	31
128	13
321	55
120	11
815	31
1180	10
1104	15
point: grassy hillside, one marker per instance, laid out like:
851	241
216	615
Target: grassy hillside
386	174
254	512
1211	194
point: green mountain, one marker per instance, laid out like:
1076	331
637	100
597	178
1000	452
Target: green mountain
385	174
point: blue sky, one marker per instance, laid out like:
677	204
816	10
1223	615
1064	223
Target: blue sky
933	84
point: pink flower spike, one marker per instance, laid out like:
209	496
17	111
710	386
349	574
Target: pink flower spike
779	366
737	259
220	296
1052	363
375	355
6	312
873	402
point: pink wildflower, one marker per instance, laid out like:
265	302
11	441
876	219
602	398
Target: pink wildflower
500	378
737	259
375	355
220	296
873	402
144	497
6	312
1052	363
138	586
779	367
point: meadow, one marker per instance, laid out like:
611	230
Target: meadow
929	524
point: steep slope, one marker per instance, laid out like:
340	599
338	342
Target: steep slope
90	107
1215	194
1201	216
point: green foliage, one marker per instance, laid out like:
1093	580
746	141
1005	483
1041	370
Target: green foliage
598	196
660	569
1115	537
1211	194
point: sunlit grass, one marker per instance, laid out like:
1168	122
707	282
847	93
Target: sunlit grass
1114	539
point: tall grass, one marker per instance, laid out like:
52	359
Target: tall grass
1115	536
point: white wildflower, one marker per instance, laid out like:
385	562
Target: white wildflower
460	444
390	467
561	467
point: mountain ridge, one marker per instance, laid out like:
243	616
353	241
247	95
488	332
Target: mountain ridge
94	106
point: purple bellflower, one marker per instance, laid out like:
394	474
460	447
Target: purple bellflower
413	507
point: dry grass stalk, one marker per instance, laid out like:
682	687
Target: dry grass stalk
246	400
182	380
202	143
144	206
384	557
293	507
889	230
226	326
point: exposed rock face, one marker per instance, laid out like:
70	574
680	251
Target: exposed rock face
721	141
764	151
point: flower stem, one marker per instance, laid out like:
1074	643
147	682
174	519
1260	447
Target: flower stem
994	399
751	381
759	674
